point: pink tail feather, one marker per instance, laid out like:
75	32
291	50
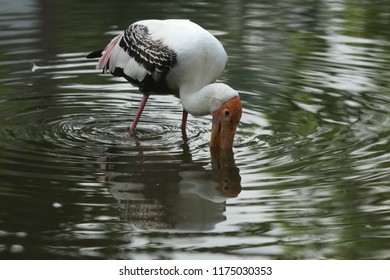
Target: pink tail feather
103	61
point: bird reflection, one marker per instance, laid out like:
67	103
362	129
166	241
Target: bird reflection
225	172
163	191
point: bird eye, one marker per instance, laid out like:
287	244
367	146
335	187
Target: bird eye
226	112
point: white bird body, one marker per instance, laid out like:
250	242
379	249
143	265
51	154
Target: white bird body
170	56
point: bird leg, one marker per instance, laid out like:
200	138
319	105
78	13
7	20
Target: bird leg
184	121
183	125
139	113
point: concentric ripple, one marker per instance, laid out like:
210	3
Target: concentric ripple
309	174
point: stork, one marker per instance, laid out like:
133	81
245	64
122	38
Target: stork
176	57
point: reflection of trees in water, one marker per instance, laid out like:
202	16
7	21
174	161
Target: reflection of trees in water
171	191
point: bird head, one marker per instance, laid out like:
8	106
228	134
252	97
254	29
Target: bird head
225	122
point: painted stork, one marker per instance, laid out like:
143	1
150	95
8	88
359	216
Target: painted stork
176	57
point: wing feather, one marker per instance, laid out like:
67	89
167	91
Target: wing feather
135	56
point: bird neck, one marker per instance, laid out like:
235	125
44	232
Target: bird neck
207	99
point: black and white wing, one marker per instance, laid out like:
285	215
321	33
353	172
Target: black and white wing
135	56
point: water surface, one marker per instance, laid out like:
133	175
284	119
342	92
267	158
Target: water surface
308	177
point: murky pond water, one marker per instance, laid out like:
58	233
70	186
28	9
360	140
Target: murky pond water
309	174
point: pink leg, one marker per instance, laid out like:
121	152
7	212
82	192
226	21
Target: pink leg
139	113
184	121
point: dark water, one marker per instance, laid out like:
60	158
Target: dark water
309	175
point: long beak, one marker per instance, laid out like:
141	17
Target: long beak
224	124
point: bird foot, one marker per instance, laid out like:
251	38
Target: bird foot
130	131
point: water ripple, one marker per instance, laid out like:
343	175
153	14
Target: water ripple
310	164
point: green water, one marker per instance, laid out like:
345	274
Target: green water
309	174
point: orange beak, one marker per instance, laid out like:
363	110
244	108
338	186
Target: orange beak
225	122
